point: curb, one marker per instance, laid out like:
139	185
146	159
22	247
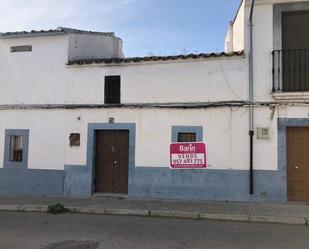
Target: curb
172	214
228	217
279	220
111	211
12	208
162	213
33	208
86	210
130	212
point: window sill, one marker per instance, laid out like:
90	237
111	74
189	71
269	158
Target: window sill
298	96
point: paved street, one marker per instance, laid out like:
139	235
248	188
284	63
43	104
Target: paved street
80	231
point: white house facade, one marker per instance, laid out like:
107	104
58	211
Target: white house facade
78	118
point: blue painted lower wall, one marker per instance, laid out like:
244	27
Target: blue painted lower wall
223	185
32	182
77	180
146	182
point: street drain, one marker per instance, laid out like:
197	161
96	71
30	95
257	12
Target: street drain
72	244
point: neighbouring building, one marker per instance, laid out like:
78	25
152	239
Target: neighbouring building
78	118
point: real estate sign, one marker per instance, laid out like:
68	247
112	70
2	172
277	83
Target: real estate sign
188	155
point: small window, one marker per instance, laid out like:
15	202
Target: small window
26	48
112	90
187	134
16	149
184	137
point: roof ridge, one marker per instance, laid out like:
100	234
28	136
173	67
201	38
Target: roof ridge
58	30
72	30
152	58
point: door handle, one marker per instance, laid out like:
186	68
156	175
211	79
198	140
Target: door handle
296	167
115	162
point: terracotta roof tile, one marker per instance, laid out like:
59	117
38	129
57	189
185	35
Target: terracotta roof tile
152	58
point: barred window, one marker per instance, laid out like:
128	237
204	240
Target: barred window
184	137
112	90
16	149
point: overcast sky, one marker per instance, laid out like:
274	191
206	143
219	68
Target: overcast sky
159	27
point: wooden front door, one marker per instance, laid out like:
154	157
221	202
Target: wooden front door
297	139
112	158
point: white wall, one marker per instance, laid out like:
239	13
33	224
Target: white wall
42	77
46	139
34	77
194	81
239	29
225	133
263	34
83	46
262	49
235	38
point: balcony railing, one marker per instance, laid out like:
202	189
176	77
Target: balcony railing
290	70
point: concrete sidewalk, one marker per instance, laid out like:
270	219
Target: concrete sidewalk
234	211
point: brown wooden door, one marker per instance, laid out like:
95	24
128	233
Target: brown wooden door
112	158
298	163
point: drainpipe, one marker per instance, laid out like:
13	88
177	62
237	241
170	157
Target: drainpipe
251	113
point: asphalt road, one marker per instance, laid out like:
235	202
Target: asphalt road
77	231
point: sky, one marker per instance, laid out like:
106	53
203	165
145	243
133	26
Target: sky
147	27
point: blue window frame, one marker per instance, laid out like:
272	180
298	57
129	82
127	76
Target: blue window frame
197	130
16	148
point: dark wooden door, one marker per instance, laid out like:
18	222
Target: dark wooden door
295	54
112	158
298	163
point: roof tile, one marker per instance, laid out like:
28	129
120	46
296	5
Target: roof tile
152	58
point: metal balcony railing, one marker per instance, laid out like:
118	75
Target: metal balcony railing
290	70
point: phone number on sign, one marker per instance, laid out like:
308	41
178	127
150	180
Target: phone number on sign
178	159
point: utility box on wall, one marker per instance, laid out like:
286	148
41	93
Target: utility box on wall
262	133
